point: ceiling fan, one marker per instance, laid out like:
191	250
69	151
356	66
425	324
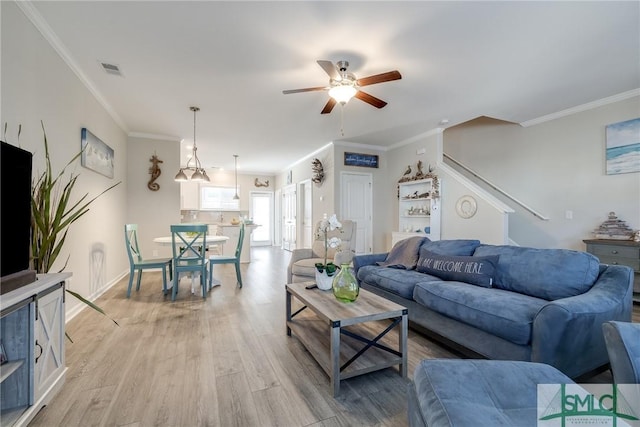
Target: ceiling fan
343	85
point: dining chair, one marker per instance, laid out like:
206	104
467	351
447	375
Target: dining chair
222	259
189	243
138	263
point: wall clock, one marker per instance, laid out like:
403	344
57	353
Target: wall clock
466	207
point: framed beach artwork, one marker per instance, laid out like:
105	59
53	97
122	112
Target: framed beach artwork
623	147
96	155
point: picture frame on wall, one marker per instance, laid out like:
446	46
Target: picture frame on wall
361	160
96	155
623	147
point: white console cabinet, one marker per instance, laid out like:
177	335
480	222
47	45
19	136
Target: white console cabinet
32	321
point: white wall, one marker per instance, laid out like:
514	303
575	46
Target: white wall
153	211
37	85
554	167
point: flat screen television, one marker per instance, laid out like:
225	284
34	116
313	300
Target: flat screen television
15	218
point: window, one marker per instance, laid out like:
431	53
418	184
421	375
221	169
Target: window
218	198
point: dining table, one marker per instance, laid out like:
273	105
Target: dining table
211	241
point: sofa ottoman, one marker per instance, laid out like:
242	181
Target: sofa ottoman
471	393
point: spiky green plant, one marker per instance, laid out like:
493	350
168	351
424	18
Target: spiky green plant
52	213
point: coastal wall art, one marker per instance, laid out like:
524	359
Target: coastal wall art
96	155
623	147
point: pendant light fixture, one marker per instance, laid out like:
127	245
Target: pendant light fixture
235	160
199	174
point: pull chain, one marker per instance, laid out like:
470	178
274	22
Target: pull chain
342	119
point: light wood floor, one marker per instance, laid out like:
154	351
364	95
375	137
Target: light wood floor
223	361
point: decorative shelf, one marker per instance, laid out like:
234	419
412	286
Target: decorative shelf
9	368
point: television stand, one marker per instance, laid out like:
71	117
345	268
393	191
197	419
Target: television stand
32	321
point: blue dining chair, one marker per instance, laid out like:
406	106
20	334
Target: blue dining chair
222	259
138	263
189	242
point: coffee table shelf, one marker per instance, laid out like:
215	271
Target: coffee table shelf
335	335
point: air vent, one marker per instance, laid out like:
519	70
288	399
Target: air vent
111	68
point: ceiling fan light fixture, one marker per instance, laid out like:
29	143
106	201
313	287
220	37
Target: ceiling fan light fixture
342	93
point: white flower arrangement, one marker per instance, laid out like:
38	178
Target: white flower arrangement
326	225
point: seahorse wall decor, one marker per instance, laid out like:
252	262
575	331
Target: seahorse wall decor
257	183
155	172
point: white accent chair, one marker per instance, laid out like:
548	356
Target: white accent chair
302	264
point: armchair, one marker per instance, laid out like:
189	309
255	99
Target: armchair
302	264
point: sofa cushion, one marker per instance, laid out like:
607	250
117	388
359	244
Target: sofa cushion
459	247
471	393
306	266
508	315
468	269
544	273
399	282
404	253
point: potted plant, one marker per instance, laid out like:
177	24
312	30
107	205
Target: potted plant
326	270
52	213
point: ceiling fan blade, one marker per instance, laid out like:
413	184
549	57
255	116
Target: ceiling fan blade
308	89
379	78
370	99
330	69
329	106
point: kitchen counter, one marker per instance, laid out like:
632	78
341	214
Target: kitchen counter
233	231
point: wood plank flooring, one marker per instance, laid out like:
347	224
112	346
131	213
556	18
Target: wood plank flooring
223	361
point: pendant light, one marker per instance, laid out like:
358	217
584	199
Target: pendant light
235	160
199	174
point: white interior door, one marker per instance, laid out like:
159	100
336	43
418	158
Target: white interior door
277	219
261	210
306	205
356	205
289	213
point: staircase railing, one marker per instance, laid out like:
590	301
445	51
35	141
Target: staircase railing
495	187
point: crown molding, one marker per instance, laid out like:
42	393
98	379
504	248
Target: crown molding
416	138
50	36
307	157
584	107
154	136
359	145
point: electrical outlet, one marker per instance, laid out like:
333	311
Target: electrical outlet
155	252
568	214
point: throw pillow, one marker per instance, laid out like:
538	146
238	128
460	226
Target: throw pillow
457	247
404	254
469	269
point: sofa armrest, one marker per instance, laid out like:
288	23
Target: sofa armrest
297	255
567	333
369	259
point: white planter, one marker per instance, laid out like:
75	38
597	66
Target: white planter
323	281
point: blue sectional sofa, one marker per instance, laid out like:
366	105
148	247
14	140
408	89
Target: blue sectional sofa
505	302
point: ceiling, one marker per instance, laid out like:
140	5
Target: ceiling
514	61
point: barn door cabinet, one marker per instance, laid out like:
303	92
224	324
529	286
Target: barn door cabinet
32	320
